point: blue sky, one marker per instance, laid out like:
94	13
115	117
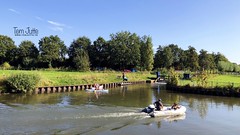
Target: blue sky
213	25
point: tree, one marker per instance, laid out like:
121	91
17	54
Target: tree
52	49
176	55
183	60
158	61
192	58
99	53
7	50
204	60
78	53
219	57
146	53
125	50
27	54
167	57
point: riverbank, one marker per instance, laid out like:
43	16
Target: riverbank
73	78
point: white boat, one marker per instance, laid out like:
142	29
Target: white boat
161	83
94	90
167	111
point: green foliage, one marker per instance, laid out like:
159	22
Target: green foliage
7	49
27	54
173	78
146	54
226	66
78	54
192	59
125	50
52	49
22	82
201	78
206	61
5	66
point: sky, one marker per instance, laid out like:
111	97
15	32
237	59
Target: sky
212	25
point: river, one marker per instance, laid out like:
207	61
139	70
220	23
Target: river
117	113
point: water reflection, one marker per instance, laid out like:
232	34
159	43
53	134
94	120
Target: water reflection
138	96
114	112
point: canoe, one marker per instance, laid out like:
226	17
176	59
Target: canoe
167	111
93	90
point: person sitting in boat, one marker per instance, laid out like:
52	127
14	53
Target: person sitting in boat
158	105
175	106
96	86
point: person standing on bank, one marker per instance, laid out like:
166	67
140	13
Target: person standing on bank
124	77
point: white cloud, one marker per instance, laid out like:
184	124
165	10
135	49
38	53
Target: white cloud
14	11
56	26
39	18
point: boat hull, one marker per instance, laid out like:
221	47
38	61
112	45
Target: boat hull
167	111
93	90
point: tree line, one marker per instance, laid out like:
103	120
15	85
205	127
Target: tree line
124	50
173	56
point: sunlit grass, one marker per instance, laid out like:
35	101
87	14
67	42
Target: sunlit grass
216	80
60	78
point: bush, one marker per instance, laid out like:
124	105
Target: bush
5	66
22	82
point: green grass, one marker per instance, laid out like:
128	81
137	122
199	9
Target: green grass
217	80
60	78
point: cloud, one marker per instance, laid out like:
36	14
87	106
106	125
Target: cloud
39	18
14	11
56	26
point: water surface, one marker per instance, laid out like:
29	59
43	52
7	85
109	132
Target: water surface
117	112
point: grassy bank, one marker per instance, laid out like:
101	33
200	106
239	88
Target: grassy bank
60	78
216	80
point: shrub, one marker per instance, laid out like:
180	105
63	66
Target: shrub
5	65
22	82
173	77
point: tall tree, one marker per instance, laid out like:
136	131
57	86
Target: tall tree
192	59
204	60
158	61
7	49
167	57
146	53
78	53
176	55
27	54
219	57
125	50
51	49
99	53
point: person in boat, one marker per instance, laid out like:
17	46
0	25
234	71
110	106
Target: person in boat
158	105
100	87
96	86
175	106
